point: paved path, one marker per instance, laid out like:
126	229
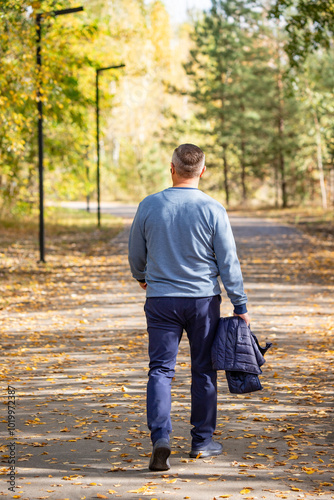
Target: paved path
127	211
78	361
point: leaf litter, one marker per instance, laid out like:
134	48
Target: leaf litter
75	348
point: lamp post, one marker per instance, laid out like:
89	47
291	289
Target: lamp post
98	139
39	19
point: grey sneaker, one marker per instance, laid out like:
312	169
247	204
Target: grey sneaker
159	459
210	450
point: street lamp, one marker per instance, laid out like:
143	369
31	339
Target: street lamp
98	139
39	19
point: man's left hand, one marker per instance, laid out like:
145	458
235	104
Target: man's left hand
245	317
143	285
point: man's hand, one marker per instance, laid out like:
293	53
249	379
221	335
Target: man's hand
143	285
245	317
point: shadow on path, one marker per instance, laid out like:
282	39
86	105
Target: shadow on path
74	346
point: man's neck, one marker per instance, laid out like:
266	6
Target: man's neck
187	183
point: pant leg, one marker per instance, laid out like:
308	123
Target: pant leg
202	322
165	332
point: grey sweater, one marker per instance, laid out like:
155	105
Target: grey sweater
180	242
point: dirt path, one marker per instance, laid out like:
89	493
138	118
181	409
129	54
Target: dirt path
74	347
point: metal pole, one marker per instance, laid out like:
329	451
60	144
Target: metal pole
98	149
40	139
65	11
40	121
98	139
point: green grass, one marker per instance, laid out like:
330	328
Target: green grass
64	228
67	219
63	218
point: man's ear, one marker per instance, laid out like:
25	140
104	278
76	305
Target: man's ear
204	169
172	168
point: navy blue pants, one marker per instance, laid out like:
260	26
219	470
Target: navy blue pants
166	318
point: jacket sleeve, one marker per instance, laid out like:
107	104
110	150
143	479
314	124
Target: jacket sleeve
137	248
228	262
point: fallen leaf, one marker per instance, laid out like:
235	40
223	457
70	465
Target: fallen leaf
309	470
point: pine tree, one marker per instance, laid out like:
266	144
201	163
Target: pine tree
231	82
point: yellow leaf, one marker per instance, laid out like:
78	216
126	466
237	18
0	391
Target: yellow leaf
111	492
224	496
293	456
295	489
101	496
140	490
309	470
246	490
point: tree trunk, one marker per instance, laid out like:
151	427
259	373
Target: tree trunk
226	186
281	159
280	125
319	162
331	183
276	183
243	169
283	180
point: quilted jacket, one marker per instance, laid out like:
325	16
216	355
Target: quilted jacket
236	350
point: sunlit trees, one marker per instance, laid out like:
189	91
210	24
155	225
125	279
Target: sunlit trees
262	112
231	84
309	25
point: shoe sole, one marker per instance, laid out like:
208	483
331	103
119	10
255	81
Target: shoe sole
160	459
204	454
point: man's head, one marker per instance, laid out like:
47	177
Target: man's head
188	161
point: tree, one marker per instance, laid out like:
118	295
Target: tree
309	24
231	81
315	90
65	102
106	33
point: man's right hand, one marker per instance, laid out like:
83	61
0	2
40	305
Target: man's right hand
245	317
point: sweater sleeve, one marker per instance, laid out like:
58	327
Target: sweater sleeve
137	248
228	262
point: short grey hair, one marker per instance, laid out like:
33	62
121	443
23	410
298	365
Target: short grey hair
188	160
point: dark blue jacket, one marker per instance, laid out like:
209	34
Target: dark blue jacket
236	350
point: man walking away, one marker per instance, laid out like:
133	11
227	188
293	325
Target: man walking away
180	242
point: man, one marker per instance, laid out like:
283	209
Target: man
180	242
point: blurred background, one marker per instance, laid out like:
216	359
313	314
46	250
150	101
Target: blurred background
250	82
